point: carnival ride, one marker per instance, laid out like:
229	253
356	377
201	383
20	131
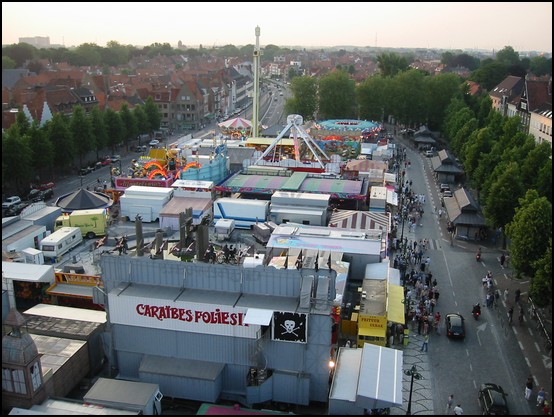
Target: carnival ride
307	154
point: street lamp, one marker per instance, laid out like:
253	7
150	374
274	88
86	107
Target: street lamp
412	372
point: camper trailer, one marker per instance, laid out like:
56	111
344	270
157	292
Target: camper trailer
60	242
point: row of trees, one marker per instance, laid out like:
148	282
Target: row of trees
116	54
31	153
512	176
411	96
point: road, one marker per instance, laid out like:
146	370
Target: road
490	352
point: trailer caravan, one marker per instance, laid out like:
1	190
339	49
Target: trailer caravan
60	242
145	202
244	212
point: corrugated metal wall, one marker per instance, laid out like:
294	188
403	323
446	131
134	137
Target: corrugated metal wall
302	369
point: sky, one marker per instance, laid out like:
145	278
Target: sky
458	25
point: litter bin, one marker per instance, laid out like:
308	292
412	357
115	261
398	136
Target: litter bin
406	340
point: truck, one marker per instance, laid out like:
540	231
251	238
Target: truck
246	213
92	222
60	242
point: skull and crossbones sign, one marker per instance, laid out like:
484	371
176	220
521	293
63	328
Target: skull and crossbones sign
289	327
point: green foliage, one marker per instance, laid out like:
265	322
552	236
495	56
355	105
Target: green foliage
530	232
142	120
42	152
81	130
153	114
114	128
540	288
60	136
439	92
337	96
304	101
98	130
490	75
391	64
129	122
544	180
20	53
88	54
501	200
373	97
540	65
8	63
507	56
16	160
408	99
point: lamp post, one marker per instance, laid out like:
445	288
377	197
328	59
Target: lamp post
412	372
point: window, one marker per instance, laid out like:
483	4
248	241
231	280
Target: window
13	380
36	379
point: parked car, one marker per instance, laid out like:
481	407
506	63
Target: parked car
455	327
141	148
47	194
154	142
115	158
35	195
444	187
492	400
86	170
447	193
11	202
429	154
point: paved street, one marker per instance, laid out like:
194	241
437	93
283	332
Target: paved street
515	351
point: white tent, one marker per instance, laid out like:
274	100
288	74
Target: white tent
366	378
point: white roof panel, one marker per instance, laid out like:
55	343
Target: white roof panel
258	316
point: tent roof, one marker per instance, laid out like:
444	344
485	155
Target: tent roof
83	199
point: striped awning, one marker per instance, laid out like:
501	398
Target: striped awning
361	220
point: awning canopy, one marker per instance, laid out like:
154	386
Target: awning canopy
258	316
372	331
395	311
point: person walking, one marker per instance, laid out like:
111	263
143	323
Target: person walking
502	260
541	397
510	315
506	292
529	387
449	401
517	295
458	411
425	343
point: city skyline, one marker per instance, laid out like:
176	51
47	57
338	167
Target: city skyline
448	26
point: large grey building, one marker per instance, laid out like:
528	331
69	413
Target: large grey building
213	332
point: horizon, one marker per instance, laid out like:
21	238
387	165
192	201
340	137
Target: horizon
395	25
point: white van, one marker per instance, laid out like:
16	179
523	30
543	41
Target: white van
61	241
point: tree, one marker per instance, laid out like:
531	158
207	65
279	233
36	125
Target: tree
507	56
98	130
42	152
480	142
16	161
19	52
153	114
490	74
407	97
373	96
88	54
60	136
501	201
532	164
391	64
541	65
530	232
8	63
130	124
540	288
81	130
304	101
142	120
544	180
114	128
337	96
439	91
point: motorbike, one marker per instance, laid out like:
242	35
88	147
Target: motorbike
478	256
476	311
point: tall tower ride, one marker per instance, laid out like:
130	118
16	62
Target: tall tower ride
256	98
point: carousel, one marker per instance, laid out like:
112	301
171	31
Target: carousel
237	127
